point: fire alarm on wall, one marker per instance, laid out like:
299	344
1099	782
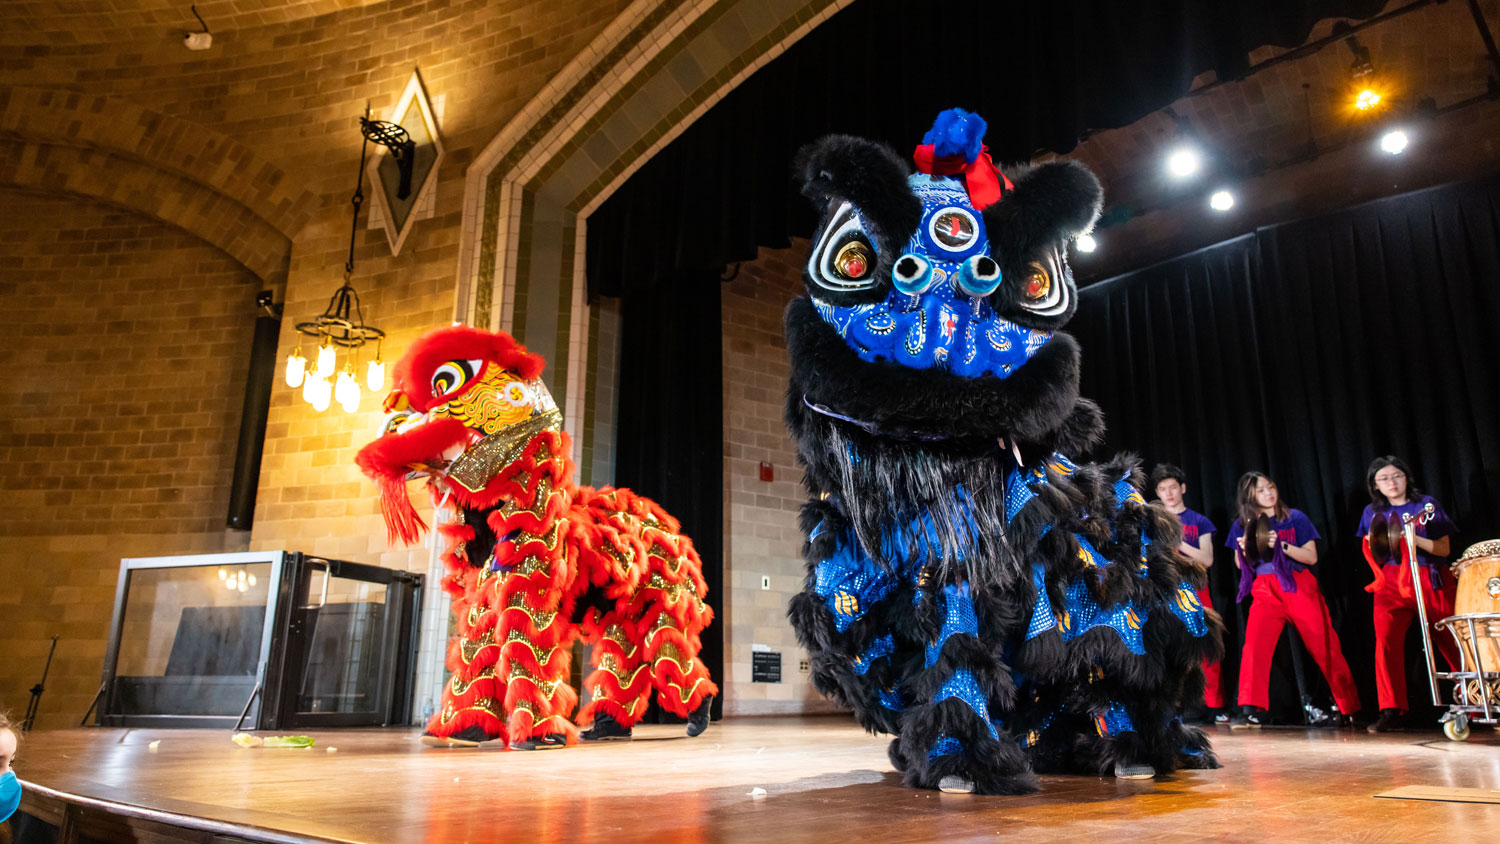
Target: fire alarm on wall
767	472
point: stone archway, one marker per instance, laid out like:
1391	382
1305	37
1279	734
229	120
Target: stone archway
647	77
162	167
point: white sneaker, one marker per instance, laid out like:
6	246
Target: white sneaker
1133	772
955	784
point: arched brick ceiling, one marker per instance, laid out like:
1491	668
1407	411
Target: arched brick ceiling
73	22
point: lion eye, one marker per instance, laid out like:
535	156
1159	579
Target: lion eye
453	375
853	260
1038	282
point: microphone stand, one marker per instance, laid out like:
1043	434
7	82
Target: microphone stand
36	691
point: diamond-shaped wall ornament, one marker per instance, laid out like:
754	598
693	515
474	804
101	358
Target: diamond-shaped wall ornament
414	114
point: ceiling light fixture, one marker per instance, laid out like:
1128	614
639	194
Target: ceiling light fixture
342	323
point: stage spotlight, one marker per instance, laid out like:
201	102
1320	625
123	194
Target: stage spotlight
1086	243
1222	200
1366	99
1394	142
1183	162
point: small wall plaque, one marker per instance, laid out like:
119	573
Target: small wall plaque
765	667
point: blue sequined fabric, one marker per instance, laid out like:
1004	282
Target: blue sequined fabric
946	746
1042	618
1186	606
1083	614
850	583
963	686
958	617
882	647
892	699
1113	720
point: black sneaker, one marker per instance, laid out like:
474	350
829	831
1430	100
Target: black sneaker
1249	718
1390	719
1221	718
550	741
605	728
698	721
471	736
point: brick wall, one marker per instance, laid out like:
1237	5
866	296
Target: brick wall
126	352
761	536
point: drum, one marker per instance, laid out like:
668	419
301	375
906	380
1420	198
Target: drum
1478	573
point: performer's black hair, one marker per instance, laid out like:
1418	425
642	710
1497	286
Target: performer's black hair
1246	508
1377	498
1165	472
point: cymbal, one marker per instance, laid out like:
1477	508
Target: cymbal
1260	540
1386	538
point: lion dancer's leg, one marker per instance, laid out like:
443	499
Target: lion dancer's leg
472	711
951	738
621	681
535	632
672	630
672	616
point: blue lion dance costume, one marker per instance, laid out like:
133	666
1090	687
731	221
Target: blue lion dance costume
997	607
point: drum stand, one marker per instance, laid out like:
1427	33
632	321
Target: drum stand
1463	711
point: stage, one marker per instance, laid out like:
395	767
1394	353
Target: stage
824	779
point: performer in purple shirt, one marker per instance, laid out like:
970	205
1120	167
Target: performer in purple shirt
1285	590
1197	545
1393	494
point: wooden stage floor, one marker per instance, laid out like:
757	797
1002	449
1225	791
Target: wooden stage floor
825	781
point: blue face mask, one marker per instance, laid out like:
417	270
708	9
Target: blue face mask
10	795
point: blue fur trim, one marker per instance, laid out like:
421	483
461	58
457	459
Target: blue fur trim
956	131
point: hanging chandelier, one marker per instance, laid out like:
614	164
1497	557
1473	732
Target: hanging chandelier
342	323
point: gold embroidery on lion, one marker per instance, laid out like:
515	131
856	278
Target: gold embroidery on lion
470	648
541	620
670	653
462	688
484	704
548	688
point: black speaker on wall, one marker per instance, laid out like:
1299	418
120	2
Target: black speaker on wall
253	422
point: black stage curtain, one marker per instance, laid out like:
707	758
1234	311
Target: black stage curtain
1305	350
1042	74
670	431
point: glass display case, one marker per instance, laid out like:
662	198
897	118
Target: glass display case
262	640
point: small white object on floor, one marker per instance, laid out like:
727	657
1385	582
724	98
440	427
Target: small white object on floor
333	750
759	752
154	745
756	792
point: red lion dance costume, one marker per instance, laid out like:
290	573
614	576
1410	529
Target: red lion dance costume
533	560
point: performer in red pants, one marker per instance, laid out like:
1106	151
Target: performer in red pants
1285	590
1197	545
1393	494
